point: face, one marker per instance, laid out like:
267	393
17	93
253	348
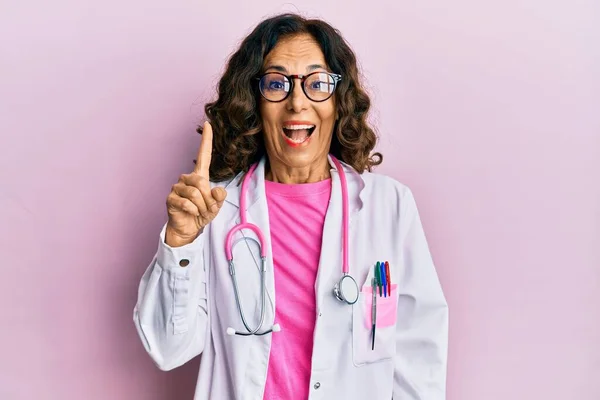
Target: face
297	130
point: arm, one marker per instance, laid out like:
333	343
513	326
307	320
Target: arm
422	328
171	310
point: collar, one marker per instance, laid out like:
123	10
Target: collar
256	185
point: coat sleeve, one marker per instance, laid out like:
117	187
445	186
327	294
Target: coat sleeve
422	325
171	311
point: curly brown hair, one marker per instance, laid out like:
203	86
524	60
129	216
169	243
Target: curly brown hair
235	118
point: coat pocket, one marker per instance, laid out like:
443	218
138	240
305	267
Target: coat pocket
385	323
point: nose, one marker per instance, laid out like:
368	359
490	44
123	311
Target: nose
297	100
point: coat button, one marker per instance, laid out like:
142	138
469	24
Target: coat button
317	385
184	263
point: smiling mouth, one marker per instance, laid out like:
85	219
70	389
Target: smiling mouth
298	134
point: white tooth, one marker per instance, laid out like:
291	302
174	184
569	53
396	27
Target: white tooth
297	127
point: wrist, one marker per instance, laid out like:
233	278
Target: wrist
174	240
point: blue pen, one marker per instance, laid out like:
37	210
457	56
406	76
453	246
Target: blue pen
383	280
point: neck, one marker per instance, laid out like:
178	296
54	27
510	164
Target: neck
315	172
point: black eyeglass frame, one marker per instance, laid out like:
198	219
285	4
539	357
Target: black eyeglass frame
291	78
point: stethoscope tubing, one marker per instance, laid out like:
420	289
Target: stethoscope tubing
263	299
244	224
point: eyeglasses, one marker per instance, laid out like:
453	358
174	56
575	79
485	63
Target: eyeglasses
317	86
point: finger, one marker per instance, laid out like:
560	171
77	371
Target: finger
211	203
176	202
205	151
213	198
193	194
195	180
202	196
219	194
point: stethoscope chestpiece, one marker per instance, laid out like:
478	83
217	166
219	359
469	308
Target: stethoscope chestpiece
346	290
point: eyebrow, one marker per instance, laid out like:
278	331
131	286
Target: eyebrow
281	68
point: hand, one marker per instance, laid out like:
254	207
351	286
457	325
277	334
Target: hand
192	204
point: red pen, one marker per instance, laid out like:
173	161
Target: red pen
387	278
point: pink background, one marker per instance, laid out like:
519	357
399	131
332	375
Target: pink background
488	110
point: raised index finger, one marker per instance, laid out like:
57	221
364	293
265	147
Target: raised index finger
205	151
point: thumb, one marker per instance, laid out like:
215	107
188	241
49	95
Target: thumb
219	194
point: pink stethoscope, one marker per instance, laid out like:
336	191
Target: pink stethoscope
345	290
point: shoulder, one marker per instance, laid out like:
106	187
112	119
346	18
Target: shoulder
379	185
387	196
384	193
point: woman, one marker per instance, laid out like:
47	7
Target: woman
287	150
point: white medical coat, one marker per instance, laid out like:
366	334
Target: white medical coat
183	312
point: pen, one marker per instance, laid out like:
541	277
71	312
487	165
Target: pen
378	277
373	313
383	280
388	278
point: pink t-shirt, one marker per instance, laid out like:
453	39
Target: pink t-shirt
296	218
